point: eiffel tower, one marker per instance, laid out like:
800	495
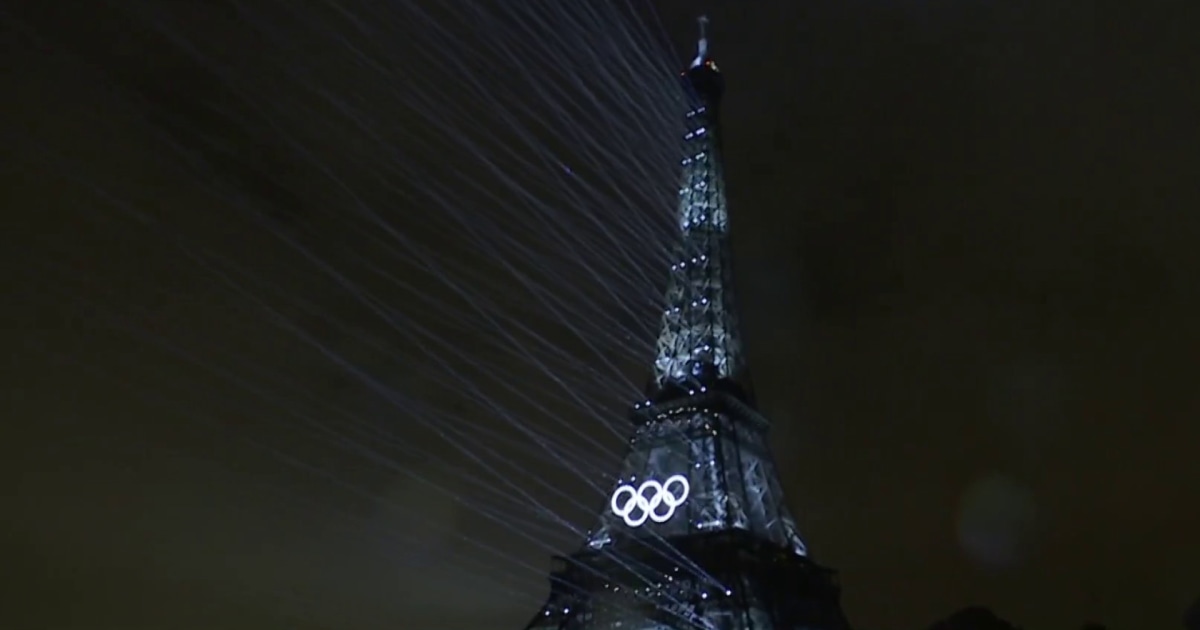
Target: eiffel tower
696	533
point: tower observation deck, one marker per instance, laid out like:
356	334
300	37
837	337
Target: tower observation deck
696	533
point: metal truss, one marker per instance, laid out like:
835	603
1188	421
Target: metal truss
731	474
699	328
696	534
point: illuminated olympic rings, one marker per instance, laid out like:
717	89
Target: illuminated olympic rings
635	505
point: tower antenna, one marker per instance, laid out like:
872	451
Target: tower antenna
702	45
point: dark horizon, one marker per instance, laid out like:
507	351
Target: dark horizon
964	241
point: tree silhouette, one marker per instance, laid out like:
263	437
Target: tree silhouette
1191	618
973	618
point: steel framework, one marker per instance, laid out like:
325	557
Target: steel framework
696	533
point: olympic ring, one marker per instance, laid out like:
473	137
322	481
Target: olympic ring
647	507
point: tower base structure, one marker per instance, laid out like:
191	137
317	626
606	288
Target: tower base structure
725	580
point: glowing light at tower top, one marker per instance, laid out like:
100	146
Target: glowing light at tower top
702	44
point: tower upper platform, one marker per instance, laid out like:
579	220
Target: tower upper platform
703	77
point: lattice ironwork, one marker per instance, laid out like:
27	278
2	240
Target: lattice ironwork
696	533
698	339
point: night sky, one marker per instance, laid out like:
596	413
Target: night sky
965	239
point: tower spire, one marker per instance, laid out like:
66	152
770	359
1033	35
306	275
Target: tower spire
702	44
